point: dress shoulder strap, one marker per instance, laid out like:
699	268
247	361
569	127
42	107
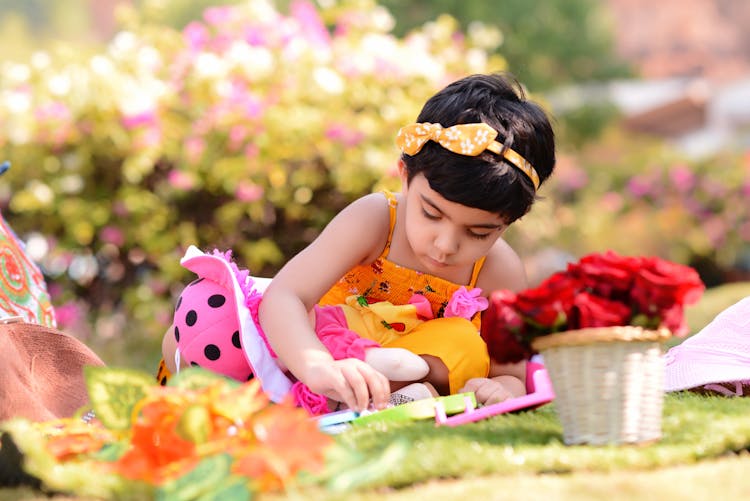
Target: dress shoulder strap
392	204
475	272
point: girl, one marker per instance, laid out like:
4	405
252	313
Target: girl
470	167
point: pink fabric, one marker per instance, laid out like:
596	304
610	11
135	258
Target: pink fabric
423	306
719	353
312	402
334	333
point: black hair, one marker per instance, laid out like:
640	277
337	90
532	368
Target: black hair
487	181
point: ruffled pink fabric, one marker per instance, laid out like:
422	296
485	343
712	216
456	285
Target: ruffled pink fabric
334	333
314	403
466	303
252	296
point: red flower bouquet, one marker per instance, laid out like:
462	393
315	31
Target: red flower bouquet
600	290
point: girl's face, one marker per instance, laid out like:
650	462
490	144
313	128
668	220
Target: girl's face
446	236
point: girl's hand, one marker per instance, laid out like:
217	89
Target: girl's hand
351	381
495	390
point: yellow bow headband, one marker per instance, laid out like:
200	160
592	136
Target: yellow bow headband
465	139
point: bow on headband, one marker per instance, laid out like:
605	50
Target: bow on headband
465	139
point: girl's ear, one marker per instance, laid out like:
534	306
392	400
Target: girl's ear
402	174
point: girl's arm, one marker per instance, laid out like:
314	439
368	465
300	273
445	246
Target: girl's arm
503	270
356	235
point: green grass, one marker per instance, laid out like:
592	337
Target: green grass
695	428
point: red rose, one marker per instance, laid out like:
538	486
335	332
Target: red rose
594	311
661	284
549	304
674	319
502	329
608	275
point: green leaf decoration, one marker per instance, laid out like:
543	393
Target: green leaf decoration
114	392
194	424
111	452
208	476
195	378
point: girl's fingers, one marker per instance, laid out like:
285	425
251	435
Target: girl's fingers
379	387
360	388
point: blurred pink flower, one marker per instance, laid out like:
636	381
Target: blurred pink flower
144	118
255	36
112	235
217	16
252	151
611	201
343	134
194	147
148	138
573	179
196	35
68	314
247	191
682	178
53	111
312	26
640	186
237	136
180	180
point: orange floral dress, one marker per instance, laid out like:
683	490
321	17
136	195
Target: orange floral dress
455	341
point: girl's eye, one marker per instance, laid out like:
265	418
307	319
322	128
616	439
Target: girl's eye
430	216
479	236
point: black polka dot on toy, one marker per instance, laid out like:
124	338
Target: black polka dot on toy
194	364
191	318
216	301
250	377
212	352
176	334
236	339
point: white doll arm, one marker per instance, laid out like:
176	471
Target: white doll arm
397	364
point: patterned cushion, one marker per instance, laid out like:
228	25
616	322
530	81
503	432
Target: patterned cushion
23	291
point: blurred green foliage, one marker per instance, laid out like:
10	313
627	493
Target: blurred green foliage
637	196
547	43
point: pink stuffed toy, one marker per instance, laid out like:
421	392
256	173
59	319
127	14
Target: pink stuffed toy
216	327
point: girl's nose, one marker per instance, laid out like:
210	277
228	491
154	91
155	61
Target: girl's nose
446	242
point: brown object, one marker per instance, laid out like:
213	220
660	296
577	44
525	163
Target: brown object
608	382
41	372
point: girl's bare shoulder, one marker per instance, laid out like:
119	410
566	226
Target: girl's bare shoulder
503	269
365	222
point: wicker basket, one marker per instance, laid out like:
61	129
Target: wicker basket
608	383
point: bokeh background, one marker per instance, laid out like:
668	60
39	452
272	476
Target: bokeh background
138	127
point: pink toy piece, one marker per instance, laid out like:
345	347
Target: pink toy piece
540	392
201	312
